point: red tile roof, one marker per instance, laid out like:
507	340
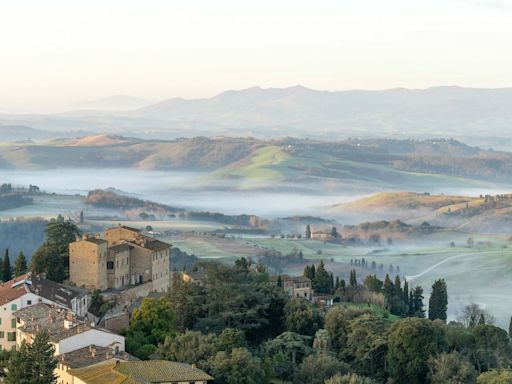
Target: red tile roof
13	289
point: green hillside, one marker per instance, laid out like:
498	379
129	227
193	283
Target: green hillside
471	214
248	163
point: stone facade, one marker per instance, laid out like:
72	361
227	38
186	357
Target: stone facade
88	262
130	258
297	286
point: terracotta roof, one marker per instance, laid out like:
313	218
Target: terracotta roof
38	285
297	279
91	355
158	371
45	317
101	373
124	227
94	240
139	372
155	245
13	289
120	247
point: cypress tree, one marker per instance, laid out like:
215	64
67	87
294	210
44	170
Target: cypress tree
481	320
398	287
510	328
20	265
6	267
308	232
411	304
438	303
353	278
279	281
405	298
417	302
388	287
337	283
322	279
331	283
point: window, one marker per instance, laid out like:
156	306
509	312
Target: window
2	334
110	265
29	302
11	336
13	323
14	307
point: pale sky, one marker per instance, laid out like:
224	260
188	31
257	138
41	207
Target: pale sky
54	53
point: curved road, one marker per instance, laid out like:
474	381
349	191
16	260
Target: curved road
412	278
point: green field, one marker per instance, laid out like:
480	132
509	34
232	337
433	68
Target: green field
271	165
481	274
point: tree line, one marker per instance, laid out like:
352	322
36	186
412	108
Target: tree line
241	327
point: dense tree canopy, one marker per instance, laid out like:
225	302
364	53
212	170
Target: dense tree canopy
412	342
52	257
33	363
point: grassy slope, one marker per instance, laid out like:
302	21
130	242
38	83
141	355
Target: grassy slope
459	212
482	274
270	165
387	201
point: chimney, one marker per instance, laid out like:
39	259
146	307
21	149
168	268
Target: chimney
93	351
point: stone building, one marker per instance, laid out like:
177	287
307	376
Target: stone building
297	286
88	262
123	257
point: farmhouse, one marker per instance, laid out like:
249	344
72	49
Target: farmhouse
297	286
321	235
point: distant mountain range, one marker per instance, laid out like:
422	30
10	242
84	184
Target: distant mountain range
114	103
482	116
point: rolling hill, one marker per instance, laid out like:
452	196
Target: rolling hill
470	214
248	163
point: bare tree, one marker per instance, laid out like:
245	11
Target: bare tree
473	313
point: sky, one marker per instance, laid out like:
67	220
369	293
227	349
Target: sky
54	54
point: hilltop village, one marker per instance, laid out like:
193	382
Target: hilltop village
113	307
86	316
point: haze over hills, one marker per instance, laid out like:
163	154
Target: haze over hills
114	103
249	163
472	115
492	214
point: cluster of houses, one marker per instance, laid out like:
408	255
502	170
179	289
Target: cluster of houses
86	352
125	265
